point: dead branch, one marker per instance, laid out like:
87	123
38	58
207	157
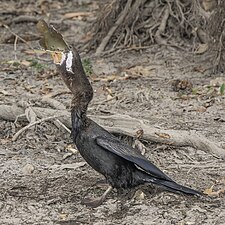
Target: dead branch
25	18
126	125
18	37
17	134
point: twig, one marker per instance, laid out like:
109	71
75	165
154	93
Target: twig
64	126
18	37
25	18
120	19
15	136
15	42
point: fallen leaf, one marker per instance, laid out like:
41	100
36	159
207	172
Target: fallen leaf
163	135
199	69
201	109
25	63
30	115
139	133
139	195
209	5
28	169
109	97
67	155
76	14
140	70
211	193
63	216
140	146
108	90
202	48
71	148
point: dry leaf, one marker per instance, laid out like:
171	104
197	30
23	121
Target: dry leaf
109	97
116	77
199	69
139	133
139	195
76	14
202	48
63	216
211	193
71	148
25	63
140	70
138	145
201	109
163	135
209	5
30	115
108	90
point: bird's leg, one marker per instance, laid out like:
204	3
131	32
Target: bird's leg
95	202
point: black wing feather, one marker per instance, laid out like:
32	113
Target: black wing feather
115	146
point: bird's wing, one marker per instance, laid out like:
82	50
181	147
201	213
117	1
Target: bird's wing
119	148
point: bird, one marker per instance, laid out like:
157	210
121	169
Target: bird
122	165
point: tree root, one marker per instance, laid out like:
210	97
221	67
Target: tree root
217	33
162	28
141	23
126	125
113	28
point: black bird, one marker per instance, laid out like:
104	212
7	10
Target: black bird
122	165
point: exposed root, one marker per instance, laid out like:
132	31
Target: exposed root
217	34
162	28
114	27
143	22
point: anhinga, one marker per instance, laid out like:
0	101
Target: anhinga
122	165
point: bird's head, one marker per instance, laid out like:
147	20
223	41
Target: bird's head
67	61
52	41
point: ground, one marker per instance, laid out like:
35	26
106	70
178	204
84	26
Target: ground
42	182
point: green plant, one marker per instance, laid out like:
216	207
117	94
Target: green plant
222	89
36	64
87	66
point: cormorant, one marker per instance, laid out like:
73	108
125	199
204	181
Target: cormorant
121	165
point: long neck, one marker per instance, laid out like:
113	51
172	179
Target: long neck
73	74
78	121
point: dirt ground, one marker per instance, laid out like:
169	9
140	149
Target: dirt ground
43	182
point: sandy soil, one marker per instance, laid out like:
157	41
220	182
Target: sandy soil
42	182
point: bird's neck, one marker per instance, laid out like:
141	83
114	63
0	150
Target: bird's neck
79	119
73	75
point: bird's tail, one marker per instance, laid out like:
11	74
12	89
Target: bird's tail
174	187
170	185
